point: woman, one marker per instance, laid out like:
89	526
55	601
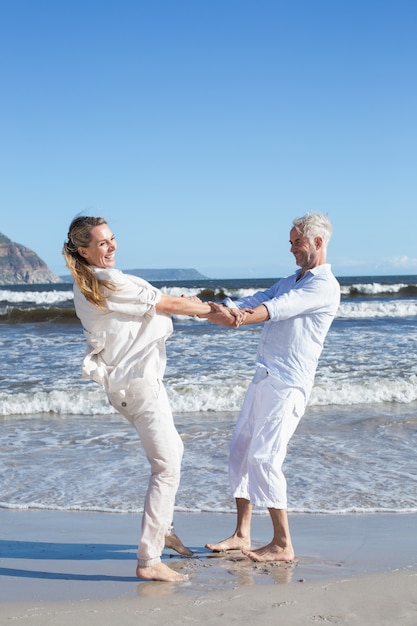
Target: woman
126	323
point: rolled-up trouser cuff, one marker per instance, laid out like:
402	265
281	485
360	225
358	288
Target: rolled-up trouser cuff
148	563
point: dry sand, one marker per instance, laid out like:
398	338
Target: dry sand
79	568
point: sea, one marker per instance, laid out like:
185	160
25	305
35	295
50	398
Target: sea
64	448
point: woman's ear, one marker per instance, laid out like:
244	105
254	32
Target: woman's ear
82	252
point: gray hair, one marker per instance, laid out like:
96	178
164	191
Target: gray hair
314	225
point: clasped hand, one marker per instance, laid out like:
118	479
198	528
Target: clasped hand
224	316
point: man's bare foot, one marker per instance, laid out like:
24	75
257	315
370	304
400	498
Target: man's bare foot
232	543
160	572
174	543
270	553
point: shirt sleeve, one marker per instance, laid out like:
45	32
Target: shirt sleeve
314	296
249	302
132	295
287	298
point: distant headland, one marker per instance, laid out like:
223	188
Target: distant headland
20	265
159	274
167	274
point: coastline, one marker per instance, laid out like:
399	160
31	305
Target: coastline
66	566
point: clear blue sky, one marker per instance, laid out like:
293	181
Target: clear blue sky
200	128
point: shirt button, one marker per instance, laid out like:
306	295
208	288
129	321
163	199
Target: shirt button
124	404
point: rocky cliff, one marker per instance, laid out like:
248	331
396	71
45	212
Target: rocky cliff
19	265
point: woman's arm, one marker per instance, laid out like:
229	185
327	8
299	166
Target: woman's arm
180	305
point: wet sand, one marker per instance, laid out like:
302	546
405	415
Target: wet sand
61	567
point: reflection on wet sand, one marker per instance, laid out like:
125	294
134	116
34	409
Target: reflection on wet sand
219	571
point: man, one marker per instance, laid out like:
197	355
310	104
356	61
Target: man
297	311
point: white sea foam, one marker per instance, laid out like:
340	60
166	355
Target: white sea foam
373	289
59	402
86	464
347	310
371	392
35	297
193	397
380	309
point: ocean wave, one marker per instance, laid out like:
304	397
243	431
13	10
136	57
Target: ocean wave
200	398
237	287
359	290
35	297
379	289
59	402
347	310
380	309
378	391
33	315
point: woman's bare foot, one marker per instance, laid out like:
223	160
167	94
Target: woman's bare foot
270	553
160	572
174	543
232	543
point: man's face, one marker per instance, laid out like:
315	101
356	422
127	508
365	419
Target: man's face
305	252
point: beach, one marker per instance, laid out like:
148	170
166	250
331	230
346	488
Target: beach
67	567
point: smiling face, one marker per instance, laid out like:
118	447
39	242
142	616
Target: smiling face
307	254
102	247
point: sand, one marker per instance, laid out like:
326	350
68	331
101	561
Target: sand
79	568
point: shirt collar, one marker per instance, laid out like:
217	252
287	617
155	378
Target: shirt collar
319	269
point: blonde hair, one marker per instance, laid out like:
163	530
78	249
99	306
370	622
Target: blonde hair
79	235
